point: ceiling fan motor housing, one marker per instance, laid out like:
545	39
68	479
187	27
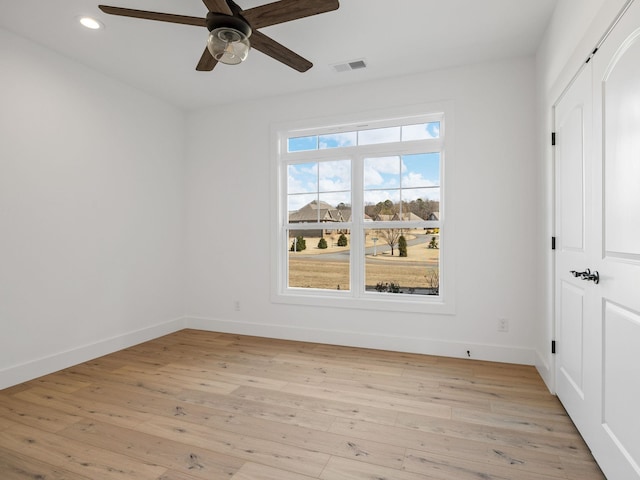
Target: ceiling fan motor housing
220	20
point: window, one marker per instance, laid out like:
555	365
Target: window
361	214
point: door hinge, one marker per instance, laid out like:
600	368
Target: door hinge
553	243
553	139
553	346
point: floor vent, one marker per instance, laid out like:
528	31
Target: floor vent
347	66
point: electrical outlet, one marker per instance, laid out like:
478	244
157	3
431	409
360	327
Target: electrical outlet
503	325
236	305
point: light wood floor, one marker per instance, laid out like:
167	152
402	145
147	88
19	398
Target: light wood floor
201	405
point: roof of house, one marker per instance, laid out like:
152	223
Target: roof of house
316	211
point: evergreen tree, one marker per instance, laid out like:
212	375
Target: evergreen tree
322	243
402	246
298	244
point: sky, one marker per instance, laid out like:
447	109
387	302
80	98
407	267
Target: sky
385	177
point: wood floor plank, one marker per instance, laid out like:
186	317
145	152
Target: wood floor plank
520	422
275	454
345	469
61	383
197	405
74	456
161	378
175	456
332	408
198	372
279	413
255	471
348	446
35	415
15	466
173	475
352	366
441	467
75	406
407	405
547	443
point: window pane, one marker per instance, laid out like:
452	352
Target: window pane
324	261
382	172
390	268
422	131
335	140
421	204
335	207
421	170
302	208
382	205
334	176
301	144
302	177
379	135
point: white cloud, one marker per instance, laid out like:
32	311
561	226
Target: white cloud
335	140
420	132
414	179
379	171
379	135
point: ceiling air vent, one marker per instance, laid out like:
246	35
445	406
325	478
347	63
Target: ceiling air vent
347	66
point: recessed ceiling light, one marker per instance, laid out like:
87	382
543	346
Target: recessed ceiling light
91	23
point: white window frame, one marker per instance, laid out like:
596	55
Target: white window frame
357	297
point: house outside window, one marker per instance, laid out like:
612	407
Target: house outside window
362	214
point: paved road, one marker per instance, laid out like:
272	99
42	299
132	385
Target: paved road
381	247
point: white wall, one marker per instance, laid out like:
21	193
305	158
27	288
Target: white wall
91	213
574	30
229	214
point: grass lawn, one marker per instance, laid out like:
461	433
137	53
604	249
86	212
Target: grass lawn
319	268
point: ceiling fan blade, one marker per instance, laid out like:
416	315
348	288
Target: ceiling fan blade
286	10
218	6
207	62
161	17
270	47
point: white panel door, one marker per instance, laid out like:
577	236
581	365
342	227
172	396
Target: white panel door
616	69
574	213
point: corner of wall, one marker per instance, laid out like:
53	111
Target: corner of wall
16	374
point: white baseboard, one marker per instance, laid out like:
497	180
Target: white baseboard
16	374
425	346
545	369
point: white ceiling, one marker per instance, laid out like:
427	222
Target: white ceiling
395	37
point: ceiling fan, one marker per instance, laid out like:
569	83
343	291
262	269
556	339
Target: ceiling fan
233	30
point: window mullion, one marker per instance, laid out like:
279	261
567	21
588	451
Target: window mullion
357	232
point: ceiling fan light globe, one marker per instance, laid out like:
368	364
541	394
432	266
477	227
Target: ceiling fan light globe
228	45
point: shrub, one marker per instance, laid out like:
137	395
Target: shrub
433	243
402	246
299	244
322	243
390	287
342	240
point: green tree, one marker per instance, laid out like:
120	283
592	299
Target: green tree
402	246
342	240
298	244
322	243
